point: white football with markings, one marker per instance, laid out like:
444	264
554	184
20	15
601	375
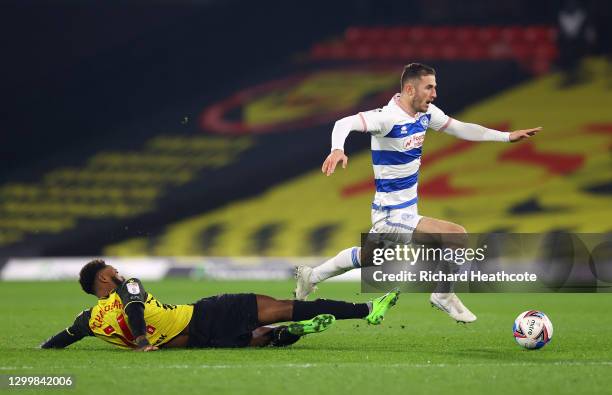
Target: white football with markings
532	329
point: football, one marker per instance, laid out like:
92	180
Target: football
532	329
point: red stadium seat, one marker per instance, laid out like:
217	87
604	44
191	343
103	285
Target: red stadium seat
533	46
465	35
546	51
489	34
376	34
522	51
537	34
407	51
450	52
417	34
552	34
512	34
441	34
403	34
384	51
427	52
499	50
363	52
474	52
338	51
353	34
395	35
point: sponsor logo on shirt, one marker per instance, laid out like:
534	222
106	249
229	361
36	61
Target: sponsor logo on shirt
414	141
98	320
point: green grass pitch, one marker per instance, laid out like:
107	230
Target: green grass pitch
416	350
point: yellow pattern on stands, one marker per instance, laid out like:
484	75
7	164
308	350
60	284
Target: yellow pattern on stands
318	94
110	185
496	186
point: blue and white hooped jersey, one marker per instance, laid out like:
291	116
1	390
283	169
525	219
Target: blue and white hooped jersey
397	140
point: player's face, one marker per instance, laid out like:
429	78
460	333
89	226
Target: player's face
424	93
113	275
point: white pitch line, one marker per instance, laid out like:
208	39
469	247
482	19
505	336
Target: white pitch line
346	365
389	365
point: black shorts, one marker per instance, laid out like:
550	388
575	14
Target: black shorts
223	321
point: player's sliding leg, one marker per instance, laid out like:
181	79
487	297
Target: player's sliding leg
281	336
312	317
431	231
308	277
286	335
270	310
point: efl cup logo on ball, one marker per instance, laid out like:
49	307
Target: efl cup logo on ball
532	329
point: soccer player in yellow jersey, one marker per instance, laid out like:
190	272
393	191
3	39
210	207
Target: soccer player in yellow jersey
129	317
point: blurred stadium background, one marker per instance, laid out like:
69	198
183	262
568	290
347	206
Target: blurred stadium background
197	128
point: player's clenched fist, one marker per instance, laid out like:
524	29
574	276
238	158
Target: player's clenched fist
332	161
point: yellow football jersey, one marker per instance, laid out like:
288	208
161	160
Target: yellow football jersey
108	321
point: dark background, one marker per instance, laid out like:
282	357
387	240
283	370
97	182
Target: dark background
78	77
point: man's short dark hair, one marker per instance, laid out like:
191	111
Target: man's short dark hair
87	276
414	71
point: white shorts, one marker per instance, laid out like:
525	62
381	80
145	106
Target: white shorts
402	222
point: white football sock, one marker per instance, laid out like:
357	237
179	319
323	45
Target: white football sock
345	260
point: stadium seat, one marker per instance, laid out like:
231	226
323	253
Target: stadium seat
441	35
527	45
512	34
109	185
465	35
489	34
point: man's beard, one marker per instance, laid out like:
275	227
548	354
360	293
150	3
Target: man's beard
117	280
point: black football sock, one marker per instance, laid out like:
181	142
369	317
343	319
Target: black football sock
341	310
282	338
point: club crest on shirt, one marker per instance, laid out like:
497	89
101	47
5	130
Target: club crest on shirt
133	288
424	121
407	217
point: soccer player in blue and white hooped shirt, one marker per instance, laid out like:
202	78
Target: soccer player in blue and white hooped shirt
398	131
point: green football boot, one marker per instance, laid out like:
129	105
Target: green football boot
315	325
380	307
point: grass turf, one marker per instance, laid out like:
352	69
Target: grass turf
417	349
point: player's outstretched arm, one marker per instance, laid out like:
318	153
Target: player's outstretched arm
474	132
61	340
72	334
519	135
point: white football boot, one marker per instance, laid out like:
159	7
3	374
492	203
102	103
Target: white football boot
304	286
451	305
